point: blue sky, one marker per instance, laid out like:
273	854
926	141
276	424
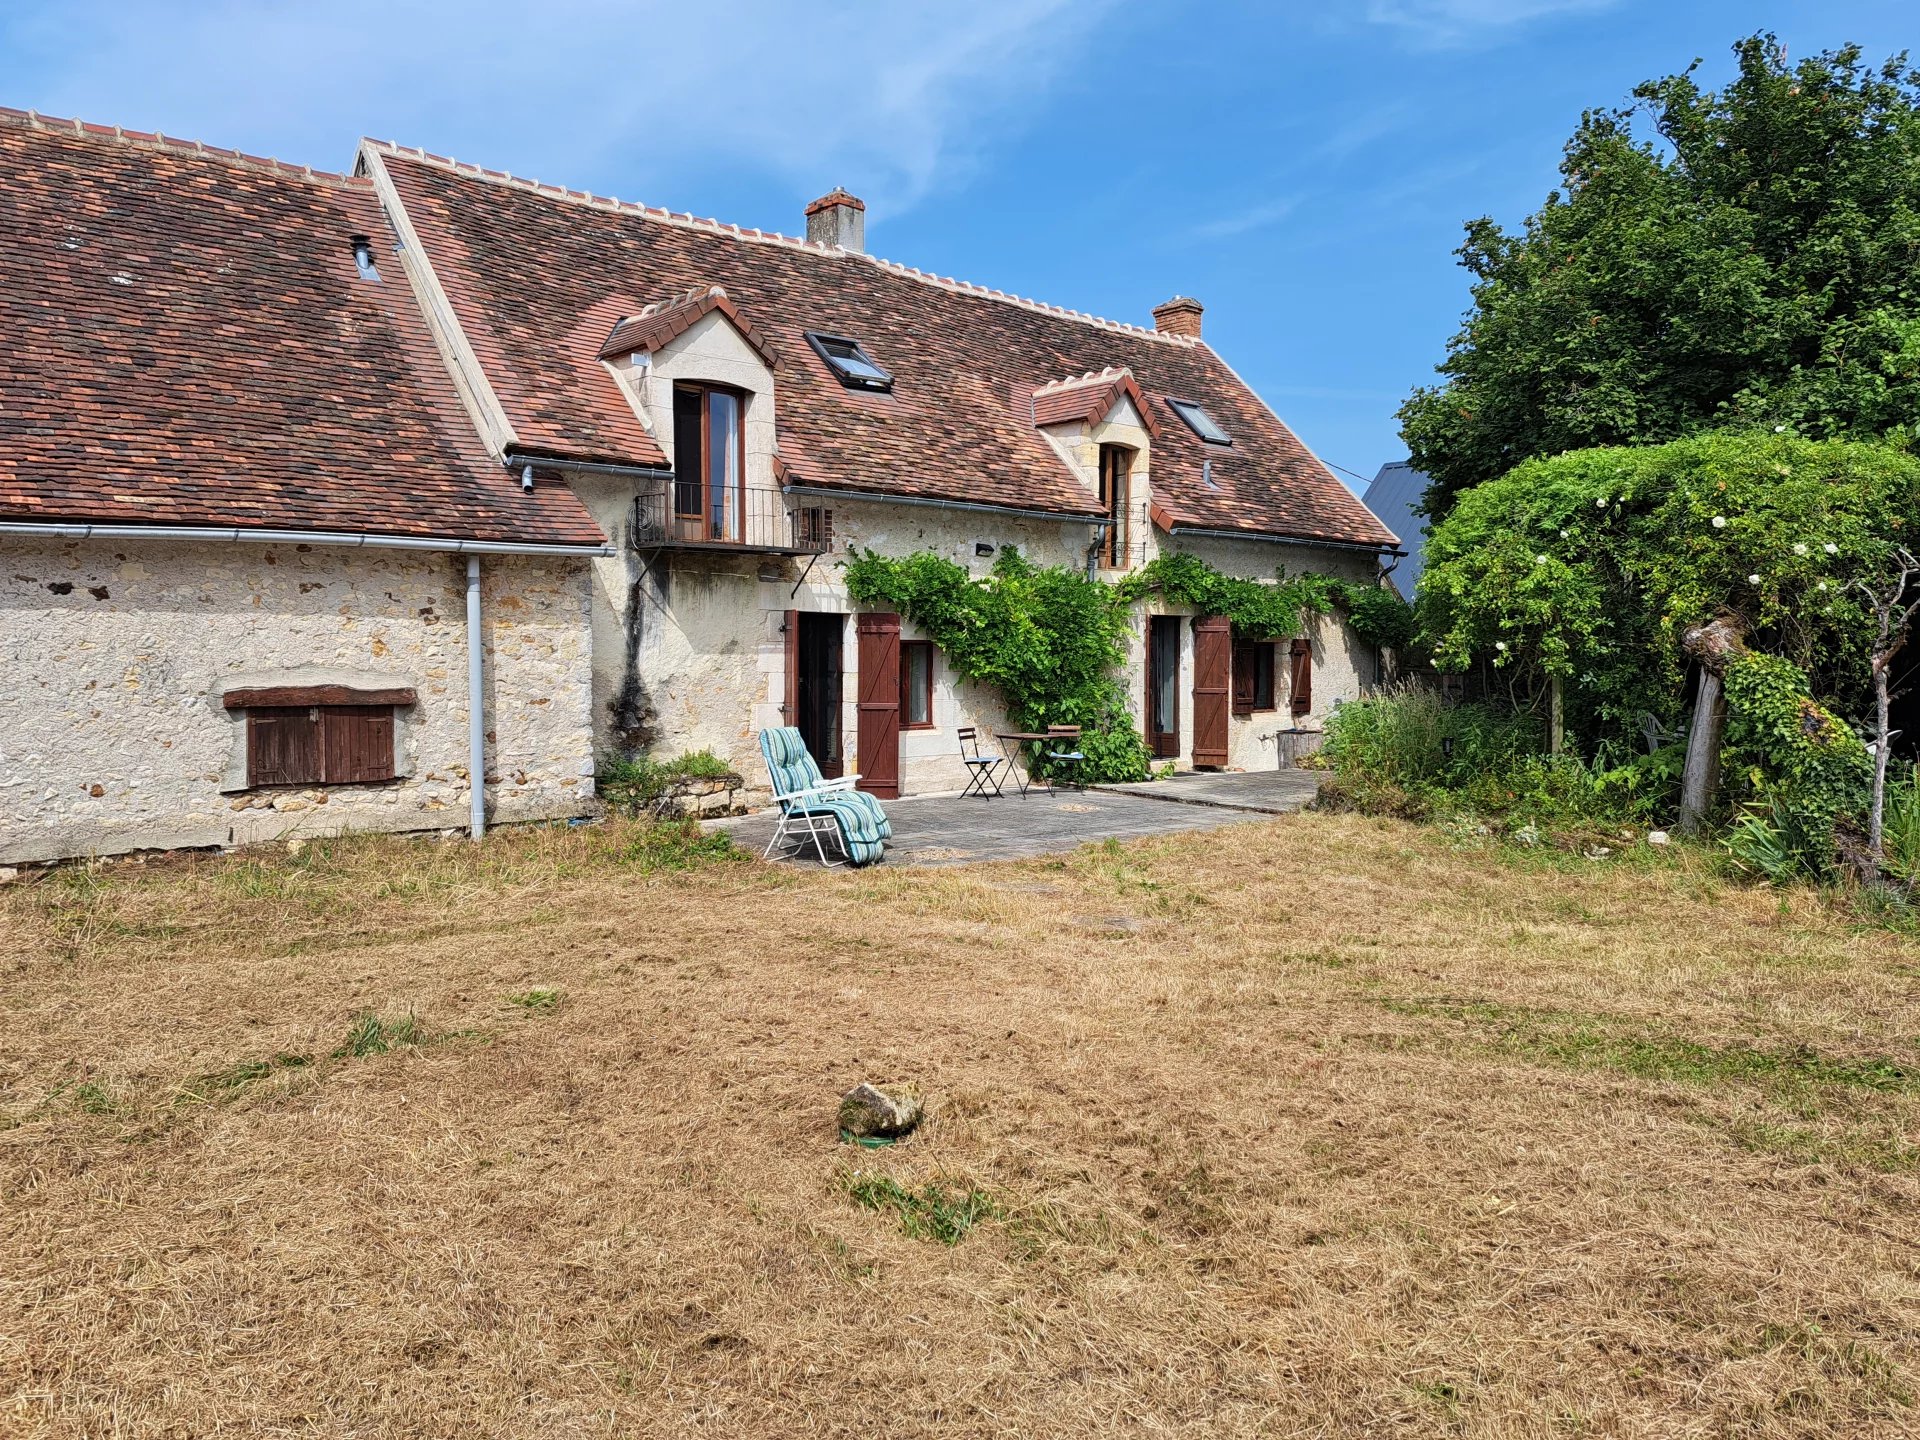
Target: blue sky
1303	169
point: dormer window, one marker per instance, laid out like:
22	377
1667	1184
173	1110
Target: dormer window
851	365
1199	421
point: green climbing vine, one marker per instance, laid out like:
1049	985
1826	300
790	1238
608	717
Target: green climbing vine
1053	642
1802	768
1270	610
1049	639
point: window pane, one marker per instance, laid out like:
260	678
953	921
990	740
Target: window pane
723	465
688	463
916	678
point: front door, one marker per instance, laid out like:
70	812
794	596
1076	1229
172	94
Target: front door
1163	686
815	647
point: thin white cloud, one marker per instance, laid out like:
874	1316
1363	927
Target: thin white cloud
632	96
1448	23
1254	217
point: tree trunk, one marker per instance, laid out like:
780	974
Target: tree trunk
1701	778
1876	821
1712	645
1556	723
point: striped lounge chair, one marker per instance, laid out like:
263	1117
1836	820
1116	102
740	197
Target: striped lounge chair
812	806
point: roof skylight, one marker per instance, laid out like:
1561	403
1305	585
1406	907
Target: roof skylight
851	365
1200	422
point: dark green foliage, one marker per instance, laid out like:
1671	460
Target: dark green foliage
1050	640
1712	258
1804	769
1590	565
636	786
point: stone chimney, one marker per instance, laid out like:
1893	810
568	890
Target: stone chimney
1179	316
838	219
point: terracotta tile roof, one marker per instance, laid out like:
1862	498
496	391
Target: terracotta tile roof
666	320
1086	399
189	342
526	267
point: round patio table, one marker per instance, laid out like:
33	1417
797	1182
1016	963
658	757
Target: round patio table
1018	764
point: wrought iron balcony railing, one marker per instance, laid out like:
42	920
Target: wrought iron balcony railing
740	518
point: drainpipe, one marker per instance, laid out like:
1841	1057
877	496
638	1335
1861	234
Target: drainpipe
476	709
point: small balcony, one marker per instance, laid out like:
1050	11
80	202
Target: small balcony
752	519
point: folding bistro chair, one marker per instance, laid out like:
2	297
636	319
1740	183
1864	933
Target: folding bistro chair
814	808
1064	749
980	767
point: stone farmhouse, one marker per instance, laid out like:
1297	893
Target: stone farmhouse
393	499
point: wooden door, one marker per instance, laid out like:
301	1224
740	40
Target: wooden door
1212	683
1162	713
878	729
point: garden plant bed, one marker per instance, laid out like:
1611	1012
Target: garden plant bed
1325	1127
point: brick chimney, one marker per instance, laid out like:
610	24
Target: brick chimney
838	219
1179	316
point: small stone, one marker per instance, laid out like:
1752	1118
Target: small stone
1657	837
9	874
880	1111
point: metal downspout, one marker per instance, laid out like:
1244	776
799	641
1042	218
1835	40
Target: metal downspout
476	709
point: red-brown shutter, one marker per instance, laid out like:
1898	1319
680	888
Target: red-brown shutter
356	744
878	733
1212	664
1301	680
790	701
283	746
1246	676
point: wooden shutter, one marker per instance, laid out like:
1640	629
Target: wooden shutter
878	735
1246	676
790	700
283	746
1300	682
1212	666
356	744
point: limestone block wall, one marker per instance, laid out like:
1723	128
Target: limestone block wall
112	732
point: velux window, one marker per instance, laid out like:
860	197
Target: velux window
1200	422
851	365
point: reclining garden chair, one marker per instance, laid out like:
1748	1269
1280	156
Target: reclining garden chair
812	806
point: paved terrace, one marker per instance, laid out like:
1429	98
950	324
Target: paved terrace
950	830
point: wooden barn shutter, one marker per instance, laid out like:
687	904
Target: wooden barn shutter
356	743
1300	682
1246	664
1212	666
878	733
283	746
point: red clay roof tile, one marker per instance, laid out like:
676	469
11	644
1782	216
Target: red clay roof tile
524	263
190	343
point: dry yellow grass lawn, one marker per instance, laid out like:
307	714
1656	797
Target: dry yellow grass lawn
1316	1127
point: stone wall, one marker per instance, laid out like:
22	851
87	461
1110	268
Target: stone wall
112	732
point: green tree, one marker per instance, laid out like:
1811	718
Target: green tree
1713	258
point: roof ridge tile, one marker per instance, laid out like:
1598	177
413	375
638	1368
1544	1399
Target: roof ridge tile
774	237
157	140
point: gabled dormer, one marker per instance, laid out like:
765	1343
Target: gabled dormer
1101	426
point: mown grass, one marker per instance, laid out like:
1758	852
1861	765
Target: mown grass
1315	1127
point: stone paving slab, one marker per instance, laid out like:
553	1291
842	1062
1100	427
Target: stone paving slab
950	830
1271	792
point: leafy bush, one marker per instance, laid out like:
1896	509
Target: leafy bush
636	786
1804	768
1902	825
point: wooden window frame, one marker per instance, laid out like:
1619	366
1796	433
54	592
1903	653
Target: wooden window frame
1116	472
926	695
1248	656
703	519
